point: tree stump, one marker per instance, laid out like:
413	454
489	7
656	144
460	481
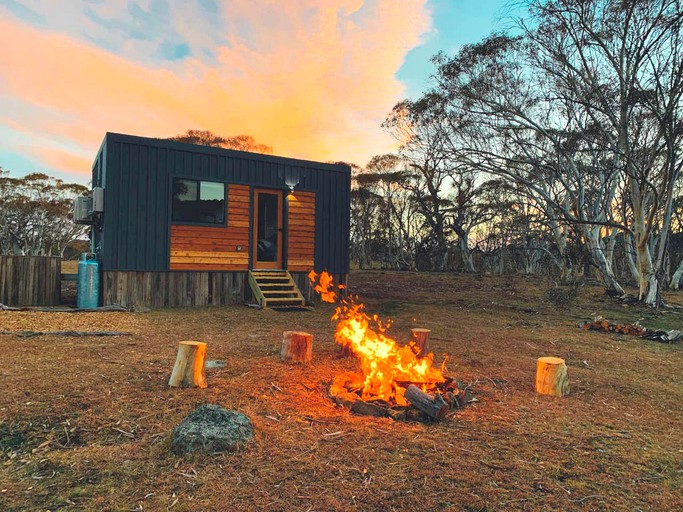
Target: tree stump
297	347
188	370
551	376
421	339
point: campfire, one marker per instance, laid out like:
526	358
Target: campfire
393	380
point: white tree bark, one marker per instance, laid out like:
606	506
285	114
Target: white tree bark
676	278
597	253
466	254
630	251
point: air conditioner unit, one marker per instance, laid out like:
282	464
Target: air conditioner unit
83	210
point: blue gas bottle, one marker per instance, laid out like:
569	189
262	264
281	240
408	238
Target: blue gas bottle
88	281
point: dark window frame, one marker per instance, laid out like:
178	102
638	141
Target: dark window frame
199	182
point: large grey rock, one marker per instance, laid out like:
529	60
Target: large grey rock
210	429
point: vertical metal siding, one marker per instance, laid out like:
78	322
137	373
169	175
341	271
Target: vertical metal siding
136	231
143	206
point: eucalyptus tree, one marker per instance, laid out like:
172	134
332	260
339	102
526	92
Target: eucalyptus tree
416	124
621	64
446	190
36	215
387	175
467	213
365	208
508	121
208	138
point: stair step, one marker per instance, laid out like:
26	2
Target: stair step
275	288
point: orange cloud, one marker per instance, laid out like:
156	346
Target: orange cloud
316	84
57	158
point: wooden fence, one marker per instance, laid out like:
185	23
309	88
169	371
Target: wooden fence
30	280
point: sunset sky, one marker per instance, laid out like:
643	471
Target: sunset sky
314	79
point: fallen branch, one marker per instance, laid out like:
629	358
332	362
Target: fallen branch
61	309
663	336
77	334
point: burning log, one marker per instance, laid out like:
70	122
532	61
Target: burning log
551	376
297	347
188	370
421	339
434	407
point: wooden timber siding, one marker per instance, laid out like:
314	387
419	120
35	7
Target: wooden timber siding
301	231
215	248
30	280
173	289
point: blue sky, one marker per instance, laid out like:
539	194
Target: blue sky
312	79
455	23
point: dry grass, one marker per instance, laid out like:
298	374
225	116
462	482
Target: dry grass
85	423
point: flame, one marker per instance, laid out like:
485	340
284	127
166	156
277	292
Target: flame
324	285
384	364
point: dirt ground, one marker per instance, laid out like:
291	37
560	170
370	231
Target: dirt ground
85	423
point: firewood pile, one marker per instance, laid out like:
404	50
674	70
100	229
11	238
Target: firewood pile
634	329
414	405
600	324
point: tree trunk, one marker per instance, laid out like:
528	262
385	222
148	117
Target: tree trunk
598	256
297	347
649	285
188	370
649	289
467	261
564	262
609	247
441	259
630	251
676	278
551	376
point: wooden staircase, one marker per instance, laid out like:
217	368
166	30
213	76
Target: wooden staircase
275	289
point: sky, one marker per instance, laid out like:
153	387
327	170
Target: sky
314	79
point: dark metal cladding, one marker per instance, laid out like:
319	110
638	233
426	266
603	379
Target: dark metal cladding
136	174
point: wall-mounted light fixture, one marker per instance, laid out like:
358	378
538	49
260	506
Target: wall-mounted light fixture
291	177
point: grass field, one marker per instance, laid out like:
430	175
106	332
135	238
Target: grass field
85	423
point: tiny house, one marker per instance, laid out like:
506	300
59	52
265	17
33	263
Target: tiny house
187	225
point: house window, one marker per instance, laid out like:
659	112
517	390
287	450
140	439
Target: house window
198	201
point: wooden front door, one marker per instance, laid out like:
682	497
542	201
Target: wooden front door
267	232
